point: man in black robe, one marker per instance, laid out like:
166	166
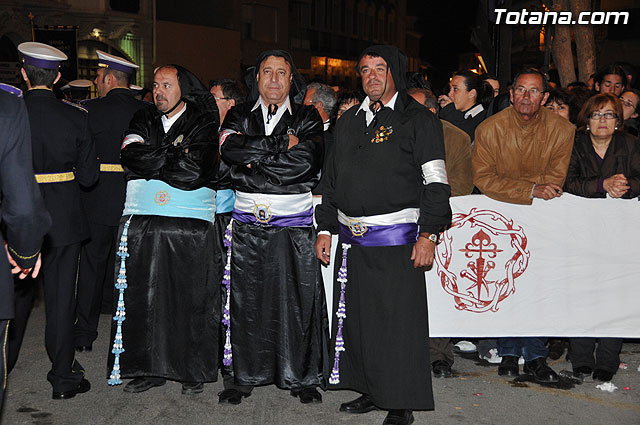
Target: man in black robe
387	196
167	274
275	305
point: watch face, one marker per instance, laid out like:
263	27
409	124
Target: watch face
433	238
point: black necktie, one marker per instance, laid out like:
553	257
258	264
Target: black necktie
271	111
376	106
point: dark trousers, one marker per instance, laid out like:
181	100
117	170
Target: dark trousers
97	259
59	272
607	354
530	348
24	292
4	333
441	349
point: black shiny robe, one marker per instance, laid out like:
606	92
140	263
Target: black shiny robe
173	297
279	325
386	330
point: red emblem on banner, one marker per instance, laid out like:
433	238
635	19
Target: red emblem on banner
494	257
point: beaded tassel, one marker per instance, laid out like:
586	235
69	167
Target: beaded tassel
341	314
121	285
226	281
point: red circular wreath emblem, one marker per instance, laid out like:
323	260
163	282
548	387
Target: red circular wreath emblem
480	294
162	198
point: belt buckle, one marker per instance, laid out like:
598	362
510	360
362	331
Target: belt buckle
262	213
357	227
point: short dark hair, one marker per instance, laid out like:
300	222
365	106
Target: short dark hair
597	102
232	89
612	69
564	97
430	100
40	76
121	76
532	71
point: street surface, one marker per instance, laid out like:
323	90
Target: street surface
475	395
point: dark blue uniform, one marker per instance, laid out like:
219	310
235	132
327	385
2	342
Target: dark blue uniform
109	117
22	215
61	145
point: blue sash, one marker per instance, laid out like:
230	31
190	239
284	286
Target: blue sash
155	197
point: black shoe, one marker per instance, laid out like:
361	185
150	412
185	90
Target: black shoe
542	373
231	396
361	404
192	388
139	385
441	369
556	348
398	417
508	366
88	348
602	375
307	395
83	387
582	371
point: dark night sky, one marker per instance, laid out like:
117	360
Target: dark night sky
446	27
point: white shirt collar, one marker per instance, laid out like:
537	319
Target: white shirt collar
168	122
364	106
474	111
268	128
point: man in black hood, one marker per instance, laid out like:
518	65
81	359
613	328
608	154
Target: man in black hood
387	197
167	272
275	314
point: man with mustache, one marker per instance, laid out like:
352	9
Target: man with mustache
522	153
387	197
275	314
168	279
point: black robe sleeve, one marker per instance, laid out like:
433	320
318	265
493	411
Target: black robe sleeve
25	220
241	148
87	167
188	165
428	145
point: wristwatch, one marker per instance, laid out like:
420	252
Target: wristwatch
433	237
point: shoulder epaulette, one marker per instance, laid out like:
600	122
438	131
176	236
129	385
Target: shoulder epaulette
75	105
11	89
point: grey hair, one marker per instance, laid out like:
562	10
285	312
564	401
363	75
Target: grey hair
325	95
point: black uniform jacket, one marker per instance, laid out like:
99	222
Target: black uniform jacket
376	169
274	168
186	158
109	117
455	117
622	157
23	218
61	143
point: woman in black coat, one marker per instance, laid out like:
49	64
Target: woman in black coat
605	162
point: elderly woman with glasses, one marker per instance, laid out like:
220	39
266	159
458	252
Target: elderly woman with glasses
605	162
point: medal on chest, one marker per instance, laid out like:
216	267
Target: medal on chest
382	134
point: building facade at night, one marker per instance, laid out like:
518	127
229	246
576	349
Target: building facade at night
215	39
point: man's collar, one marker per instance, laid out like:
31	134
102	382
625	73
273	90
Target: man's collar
474	111
287	104
364	106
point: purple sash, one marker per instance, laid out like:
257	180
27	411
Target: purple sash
263	217
392	235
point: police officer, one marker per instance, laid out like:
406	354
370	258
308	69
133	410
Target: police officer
63	159
23	217
109	117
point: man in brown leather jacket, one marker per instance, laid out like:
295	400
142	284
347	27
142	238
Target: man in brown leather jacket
523	153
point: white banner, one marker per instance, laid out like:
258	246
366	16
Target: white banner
565	267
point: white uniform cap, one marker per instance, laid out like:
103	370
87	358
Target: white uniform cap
41	55
114	62
80	84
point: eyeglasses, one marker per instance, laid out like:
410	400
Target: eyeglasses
520	91
627	102
606	115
